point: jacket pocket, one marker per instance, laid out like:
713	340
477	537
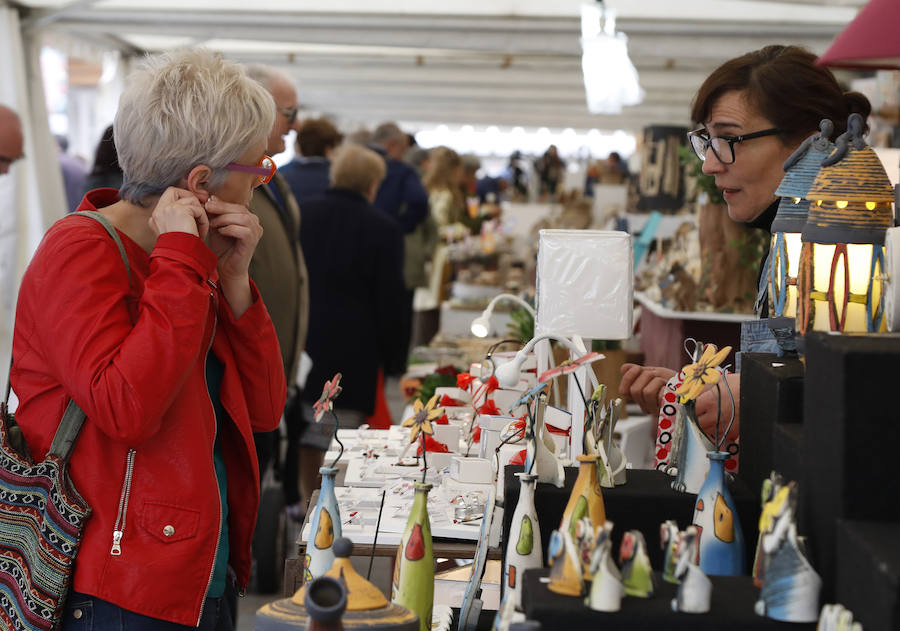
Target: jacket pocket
169	523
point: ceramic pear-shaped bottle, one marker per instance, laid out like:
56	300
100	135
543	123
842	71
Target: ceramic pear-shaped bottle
413	585
523	550
715	515
325	527
586	500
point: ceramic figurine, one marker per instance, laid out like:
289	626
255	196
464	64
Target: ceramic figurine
837	618
568	548
606	587
523	551
668	540
695	589
413	585
540	456
596	414
598	437
637	574
688	458
715	514
790	590
586	500
325	527
770	488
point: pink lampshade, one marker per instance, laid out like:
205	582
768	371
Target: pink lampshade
870	41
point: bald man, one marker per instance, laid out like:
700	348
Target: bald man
11	138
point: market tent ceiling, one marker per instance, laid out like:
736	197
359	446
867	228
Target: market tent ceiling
478	62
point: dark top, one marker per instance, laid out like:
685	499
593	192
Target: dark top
401	194
354	255
307	177
764	222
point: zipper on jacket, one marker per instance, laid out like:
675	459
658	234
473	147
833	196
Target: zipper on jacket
212	297
119	528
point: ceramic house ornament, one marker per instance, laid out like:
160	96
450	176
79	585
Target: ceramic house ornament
790	590
770	488
695	589
570	552
523	551
607	589
637	574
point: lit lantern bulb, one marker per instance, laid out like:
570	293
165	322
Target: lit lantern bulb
796	200
870	205
841	204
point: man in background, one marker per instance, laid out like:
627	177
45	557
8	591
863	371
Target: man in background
403	198
11	139
74	172
307	173
279	271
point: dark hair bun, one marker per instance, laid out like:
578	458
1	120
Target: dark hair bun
858	103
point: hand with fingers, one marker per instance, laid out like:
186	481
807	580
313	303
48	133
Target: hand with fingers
179	210
707	407
234	233
644	385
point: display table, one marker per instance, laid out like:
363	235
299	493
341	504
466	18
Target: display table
663	332
642	504
731	608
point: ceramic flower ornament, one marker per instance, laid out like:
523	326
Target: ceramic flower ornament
326	401
702	373
422	417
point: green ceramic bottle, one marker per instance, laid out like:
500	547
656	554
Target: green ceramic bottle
413	585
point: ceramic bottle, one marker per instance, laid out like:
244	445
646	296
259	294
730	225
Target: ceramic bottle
715	515
413	585
523	550
325	527
586	500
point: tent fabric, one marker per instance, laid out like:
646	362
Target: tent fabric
869	41
31	194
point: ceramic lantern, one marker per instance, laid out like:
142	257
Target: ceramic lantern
842	258
801	170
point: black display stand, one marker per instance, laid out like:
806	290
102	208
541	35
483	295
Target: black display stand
850	441
772	398
643	503
731	609
868	572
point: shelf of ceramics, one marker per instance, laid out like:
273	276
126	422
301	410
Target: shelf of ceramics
707	316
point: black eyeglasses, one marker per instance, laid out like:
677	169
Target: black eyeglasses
290	113
722	146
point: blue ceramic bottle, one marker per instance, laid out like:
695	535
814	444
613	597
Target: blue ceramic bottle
325	527
715	514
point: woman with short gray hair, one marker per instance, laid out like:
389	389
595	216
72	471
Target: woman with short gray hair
172	357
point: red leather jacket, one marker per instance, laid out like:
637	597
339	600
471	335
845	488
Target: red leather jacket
134	360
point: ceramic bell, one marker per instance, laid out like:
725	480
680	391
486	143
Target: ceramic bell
524	550
790	590
715	515
325	527
366	606
413	585
540	455
695	589
606	587
668	540
570	551
637	574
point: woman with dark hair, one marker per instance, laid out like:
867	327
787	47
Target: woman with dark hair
106	172
753	111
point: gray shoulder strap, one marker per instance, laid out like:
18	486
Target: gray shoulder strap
103	221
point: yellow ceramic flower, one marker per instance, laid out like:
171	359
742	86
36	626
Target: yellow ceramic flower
703	373
422	416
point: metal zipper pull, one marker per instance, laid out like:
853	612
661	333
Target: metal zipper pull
116	549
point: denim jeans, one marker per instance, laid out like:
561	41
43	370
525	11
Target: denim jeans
756	337
87	613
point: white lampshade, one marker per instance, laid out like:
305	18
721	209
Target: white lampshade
585	284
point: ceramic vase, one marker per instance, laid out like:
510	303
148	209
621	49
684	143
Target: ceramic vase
414	567
523	551
325	527
586	500
715	515
691	448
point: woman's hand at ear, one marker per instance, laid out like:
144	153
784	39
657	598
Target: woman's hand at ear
234	233
179	210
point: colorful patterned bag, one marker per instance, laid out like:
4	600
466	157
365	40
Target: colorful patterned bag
41	516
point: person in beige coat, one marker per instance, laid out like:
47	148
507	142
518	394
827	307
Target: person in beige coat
279	270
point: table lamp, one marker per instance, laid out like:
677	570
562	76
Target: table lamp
481	325
842	260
